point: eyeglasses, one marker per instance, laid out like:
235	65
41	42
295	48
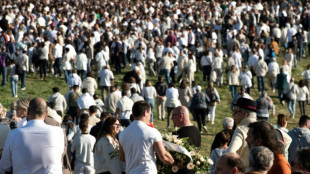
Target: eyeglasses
117	125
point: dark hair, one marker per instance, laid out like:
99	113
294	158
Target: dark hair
281	120
133	90
171	85
183	84
84	116
106	128
104	115
265	132
303	158
301	83
55	89
139	108
232	161
83	125
303	120
84	90
52	105
92	109
224	137
95	96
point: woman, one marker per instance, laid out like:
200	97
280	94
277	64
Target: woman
263	104
246	79
67	67
303	94
191	68
107	147
185	94
214	97
172	101
282	123
43	60
205	62
217	66
199	105
286	69
151	60
13	78
233	80
149	93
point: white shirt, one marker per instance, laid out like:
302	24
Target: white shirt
91	84
59	100
172	93
106	76
273	66
306	74
74	79
22	122
100	58
85	101
302	93
81	62
237	59
57	51
125	107
139	149
4	132
34	148
149	92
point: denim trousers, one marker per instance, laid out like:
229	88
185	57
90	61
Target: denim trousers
3	71
151	102
261	83
291	107
14	81
82	74
23	78
165	72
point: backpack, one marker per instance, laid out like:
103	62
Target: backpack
213	97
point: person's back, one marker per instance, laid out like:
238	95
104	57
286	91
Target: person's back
281	81
139	148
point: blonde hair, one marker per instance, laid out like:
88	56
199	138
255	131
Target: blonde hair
23	103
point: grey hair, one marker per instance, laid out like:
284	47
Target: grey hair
228	123
260	158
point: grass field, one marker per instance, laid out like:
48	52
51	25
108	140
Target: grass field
36	87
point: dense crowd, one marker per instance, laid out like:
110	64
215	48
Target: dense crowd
88	42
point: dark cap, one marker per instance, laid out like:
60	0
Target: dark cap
247	104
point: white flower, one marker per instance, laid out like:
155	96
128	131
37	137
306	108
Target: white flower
174	169
198	162
202	159
192	153
190	166
210	161
197	172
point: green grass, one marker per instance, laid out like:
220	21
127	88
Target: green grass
37	88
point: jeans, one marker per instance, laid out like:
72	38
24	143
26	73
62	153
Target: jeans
291	107
261	83
3	71
105	90
57	66
165	72
67	72
43	67
23	77
82	74
280	94
124	59
160	104
14	81
233	90
151	102
88	65
169	110
302	107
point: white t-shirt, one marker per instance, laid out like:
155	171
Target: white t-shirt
106	76
139	149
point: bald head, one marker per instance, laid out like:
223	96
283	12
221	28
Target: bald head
180	116
37	109
229	163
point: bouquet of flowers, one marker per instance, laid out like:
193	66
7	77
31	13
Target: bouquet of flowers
185	156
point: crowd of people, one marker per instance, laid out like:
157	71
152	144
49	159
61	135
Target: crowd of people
88	43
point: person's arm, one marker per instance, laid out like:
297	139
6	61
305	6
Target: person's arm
236	141
113	164
121	154
163	155
6	159
117	112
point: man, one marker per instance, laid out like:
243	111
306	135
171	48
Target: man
301	160
135	96
83	146
161	88
59	100
260	159
244	113
261	69
85	101
74	79
24	146
300	137
138	150
81	64
110	102
262	133
93	120
90	83
22	61
4	63
229	163
242	94
291	91
72	102
124	109
180	117
135	73
281	84
106	80
165	64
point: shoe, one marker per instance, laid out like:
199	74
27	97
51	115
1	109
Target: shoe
16	96
273	91
212	122
205	129
23	89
